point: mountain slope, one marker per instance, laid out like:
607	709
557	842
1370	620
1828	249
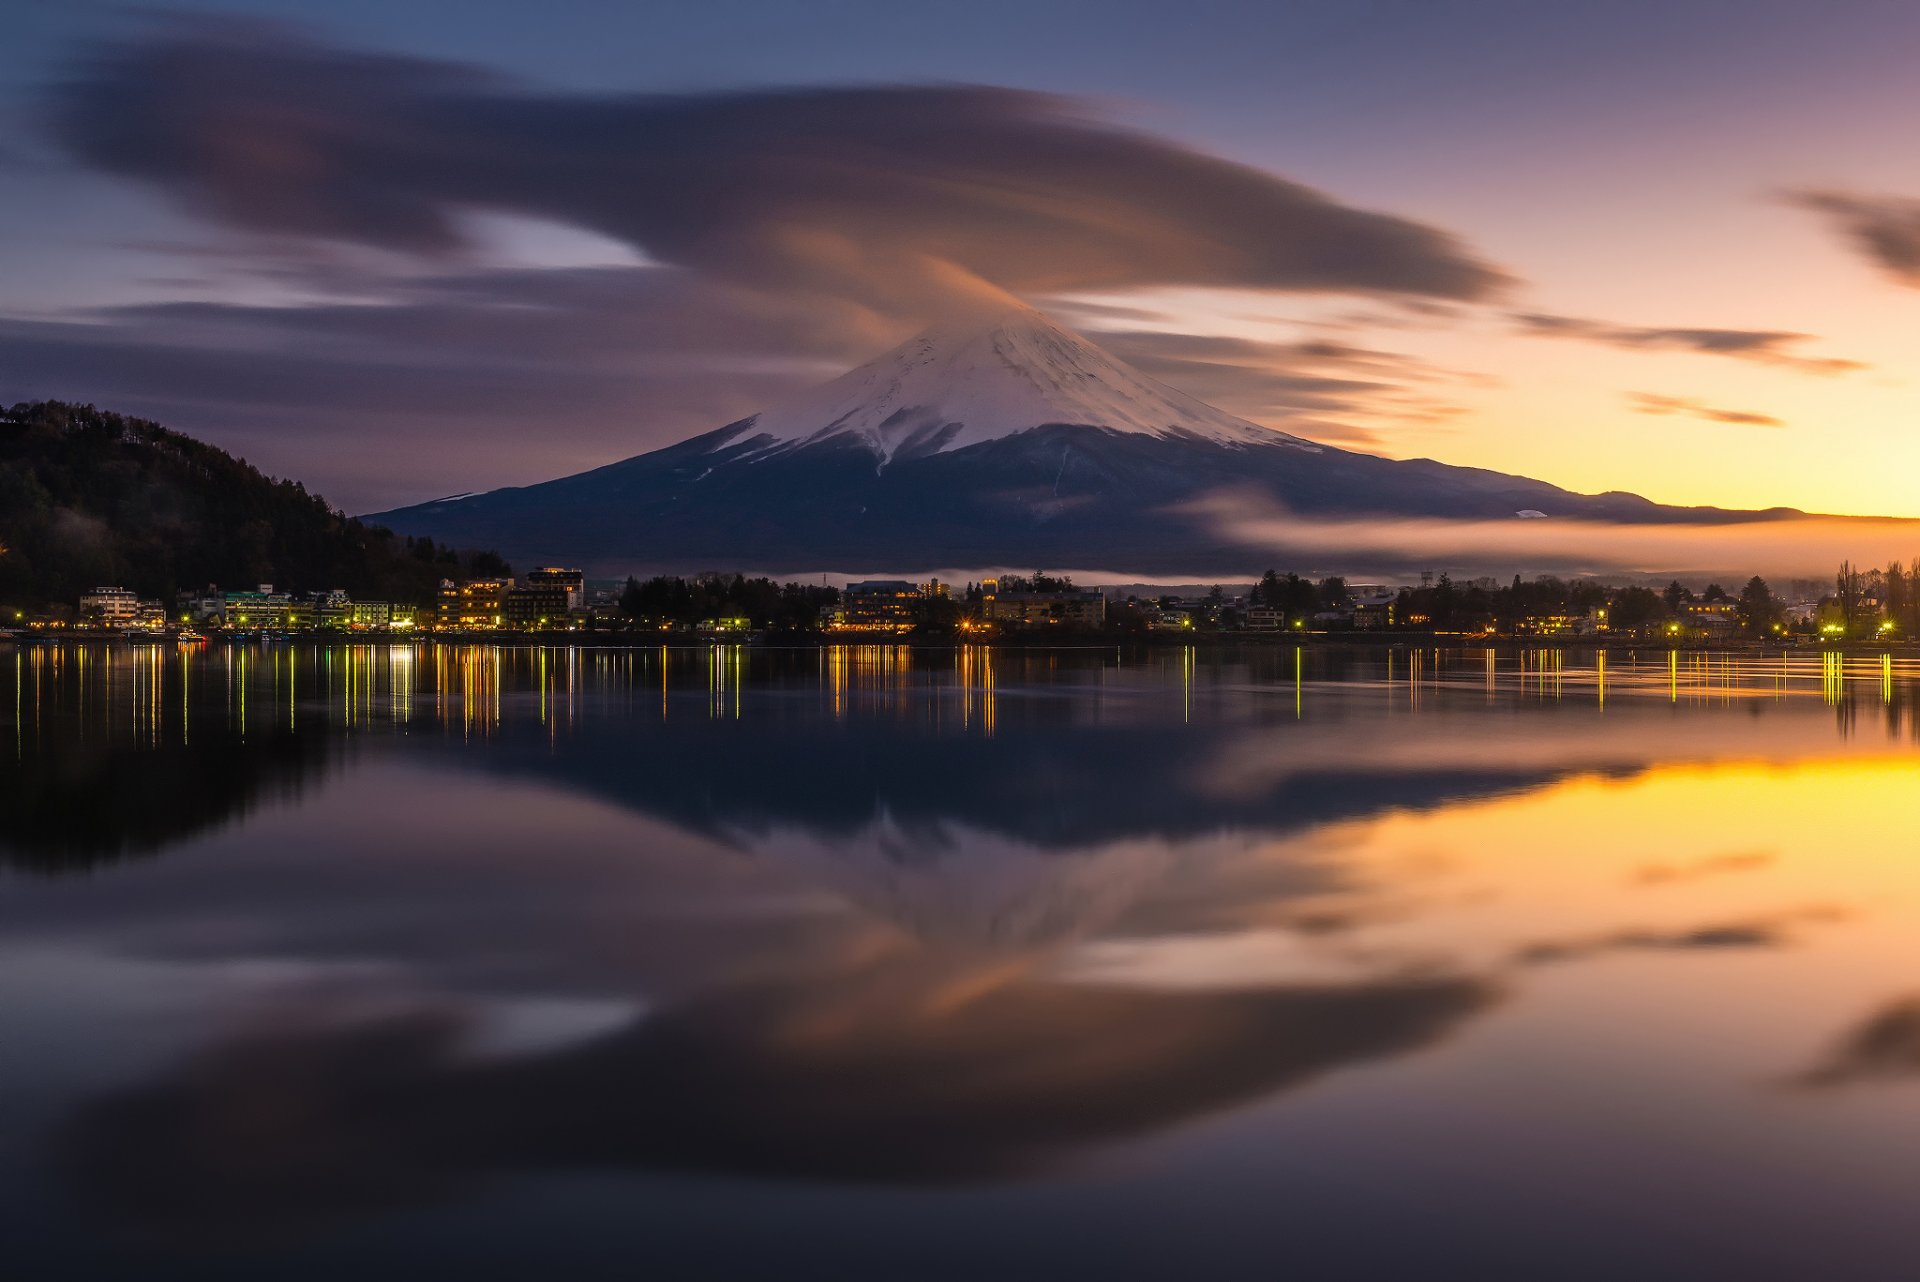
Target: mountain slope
88	497
1011	442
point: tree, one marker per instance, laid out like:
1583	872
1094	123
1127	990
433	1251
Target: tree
1294	596
1634	608
1903	597
1757	609
1676	595
1850	590
1714	592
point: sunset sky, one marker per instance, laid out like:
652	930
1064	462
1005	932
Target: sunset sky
398	251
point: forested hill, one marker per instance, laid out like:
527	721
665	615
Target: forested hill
88	497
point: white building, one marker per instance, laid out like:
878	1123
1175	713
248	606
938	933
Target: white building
118	607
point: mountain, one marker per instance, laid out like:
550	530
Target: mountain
1005	442
88	497
945	391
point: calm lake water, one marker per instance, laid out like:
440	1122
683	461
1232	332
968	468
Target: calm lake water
347	961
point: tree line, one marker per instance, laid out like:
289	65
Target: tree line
714	598
1861	602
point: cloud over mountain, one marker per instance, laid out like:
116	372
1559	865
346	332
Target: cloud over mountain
871	192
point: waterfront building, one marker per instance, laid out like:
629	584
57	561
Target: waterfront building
110	607
879	605
1066	608
261	609
531	606
572	582
477	605
1715	617
330	609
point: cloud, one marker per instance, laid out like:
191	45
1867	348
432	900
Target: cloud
891	195
1762	346
1884	228
1712	866
1730	935
1780	542
1885	1046
1327	390
610	361
1651	403
773	238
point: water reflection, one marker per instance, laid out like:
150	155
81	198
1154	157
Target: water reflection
172	740
1075	930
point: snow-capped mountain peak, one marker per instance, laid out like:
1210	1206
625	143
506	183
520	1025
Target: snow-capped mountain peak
962	384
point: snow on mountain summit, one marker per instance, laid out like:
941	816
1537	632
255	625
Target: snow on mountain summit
961	385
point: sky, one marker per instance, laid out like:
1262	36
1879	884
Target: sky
404	251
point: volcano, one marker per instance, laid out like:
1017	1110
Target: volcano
1008	441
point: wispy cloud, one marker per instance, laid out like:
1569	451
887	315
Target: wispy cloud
1762	346
1884	228
1651	403
1883	1047
1712	866
1734	935
1327	390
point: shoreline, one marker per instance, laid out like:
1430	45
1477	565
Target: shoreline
1137	642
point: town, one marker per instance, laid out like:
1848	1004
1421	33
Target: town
1856	605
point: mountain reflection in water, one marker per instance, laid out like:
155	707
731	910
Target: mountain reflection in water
418	929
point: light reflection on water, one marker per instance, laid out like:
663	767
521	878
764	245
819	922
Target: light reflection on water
954	963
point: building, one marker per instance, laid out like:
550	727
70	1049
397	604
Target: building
477	605
330	609
572	582
1373	604
370	616
207	607
1711	616
1073	608
261	609
110	607
1374	614
879	605
532	606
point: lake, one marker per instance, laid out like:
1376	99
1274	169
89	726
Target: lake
462	961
